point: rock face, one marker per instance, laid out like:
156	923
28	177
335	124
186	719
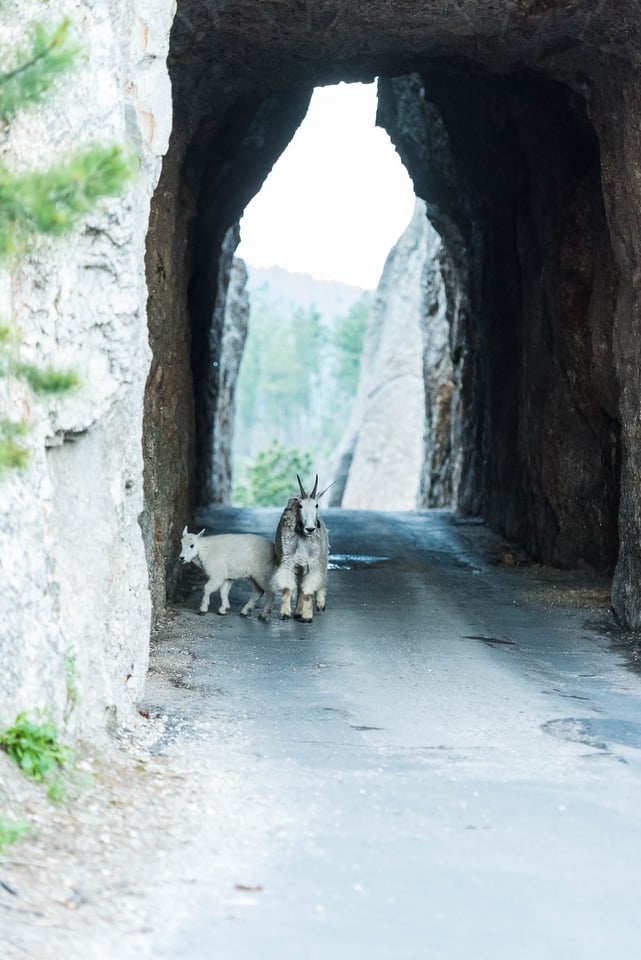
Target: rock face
541	462
235	303
74	600
402	447
519	123
384	440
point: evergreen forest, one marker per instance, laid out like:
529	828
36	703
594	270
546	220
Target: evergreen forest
297	384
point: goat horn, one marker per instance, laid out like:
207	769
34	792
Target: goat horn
302	489
313	493
319	495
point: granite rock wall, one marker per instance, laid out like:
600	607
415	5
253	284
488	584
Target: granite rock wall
74	599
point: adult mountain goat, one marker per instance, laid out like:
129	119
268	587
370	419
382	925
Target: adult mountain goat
302	553
228	557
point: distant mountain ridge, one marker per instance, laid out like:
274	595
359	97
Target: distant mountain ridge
331	298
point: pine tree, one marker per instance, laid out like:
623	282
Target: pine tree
46	202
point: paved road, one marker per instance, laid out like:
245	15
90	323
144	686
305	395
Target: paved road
452	752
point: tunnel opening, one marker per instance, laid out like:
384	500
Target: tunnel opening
508	166
331	377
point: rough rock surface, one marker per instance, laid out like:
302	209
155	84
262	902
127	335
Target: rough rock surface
537	373
388	419
235	303
73	578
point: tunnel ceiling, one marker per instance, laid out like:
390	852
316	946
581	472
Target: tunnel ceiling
515	120
323	41
232	52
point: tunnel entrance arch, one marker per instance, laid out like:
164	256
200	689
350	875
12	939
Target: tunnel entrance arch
341	288
507	152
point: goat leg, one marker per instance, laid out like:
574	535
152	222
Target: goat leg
210	587
257	593
286	604
307	609
224	597
267	605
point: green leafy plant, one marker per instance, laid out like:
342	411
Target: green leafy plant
271	478
35	747
46	202
12	830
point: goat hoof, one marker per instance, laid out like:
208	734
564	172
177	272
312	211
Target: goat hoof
306	619
202	613
223	610
285	616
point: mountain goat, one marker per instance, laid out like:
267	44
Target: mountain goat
302	553
228	557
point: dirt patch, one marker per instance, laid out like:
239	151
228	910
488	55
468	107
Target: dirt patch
111	872
584	596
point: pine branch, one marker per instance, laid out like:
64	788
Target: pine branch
45	202
36	70
52	201
45	379
12	454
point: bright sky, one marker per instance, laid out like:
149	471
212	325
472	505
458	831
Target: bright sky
338	198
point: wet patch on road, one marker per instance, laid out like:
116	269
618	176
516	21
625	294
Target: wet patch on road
352	561
194	685
491	641
599	733
555	692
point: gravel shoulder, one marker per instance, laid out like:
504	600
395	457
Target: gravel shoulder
109	872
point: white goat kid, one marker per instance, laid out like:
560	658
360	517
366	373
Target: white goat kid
228	557
302	554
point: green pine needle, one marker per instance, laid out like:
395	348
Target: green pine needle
52	201
45	202
36	68
6	335
46	380
12	454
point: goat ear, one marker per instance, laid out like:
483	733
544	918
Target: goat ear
313	493
319	495
202	531
185	532
302	488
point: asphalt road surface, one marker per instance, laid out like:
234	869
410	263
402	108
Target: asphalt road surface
451	753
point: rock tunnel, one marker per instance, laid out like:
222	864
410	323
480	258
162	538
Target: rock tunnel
515	120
